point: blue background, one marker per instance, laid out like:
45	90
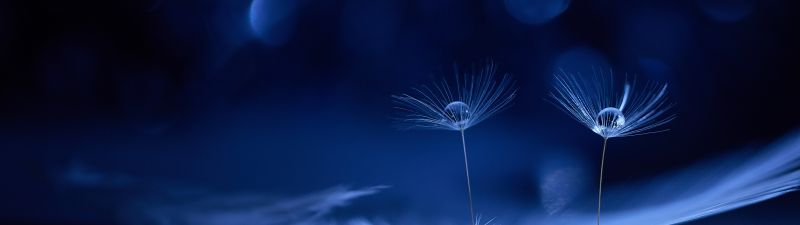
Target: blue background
291	97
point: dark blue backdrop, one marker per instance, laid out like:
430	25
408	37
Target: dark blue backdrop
104	103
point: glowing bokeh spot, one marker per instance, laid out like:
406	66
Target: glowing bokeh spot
273	20
536	12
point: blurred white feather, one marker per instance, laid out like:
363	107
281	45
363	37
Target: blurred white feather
706	189
216	209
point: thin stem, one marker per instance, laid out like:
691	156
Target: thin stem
469	186
600	187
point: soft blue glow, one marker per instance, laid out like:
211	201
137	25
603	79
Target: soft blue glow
562	179
536	12
727	10
273	20
201	208
80	175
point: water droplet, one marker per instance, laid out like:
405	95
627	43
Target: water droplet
608	120
458	112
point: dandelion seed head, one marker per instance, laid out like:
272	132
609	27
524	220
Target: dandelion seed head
596	103
455	105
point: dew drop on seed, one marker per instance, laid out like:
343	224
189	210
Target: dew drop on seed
459	112
609	119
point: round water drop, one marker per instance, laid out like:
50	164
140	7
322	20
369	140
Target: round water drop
458	112
609	119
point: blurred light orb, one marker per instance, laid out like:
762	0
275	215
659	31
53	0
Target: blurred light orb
459	112
536	12
272	21
727	11
609	119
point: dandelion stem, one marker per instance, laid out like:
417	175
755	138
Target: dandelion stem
600	187
469	186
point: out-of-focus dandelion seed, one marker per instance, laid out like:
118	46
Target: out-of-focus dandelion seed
470	99
597	105
479	218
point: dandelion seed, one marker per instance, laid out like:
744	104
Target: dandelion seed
473	98
596	104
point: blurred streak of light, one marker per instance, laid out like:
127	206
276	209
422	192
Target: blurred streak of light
703	190
77	174
224	209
